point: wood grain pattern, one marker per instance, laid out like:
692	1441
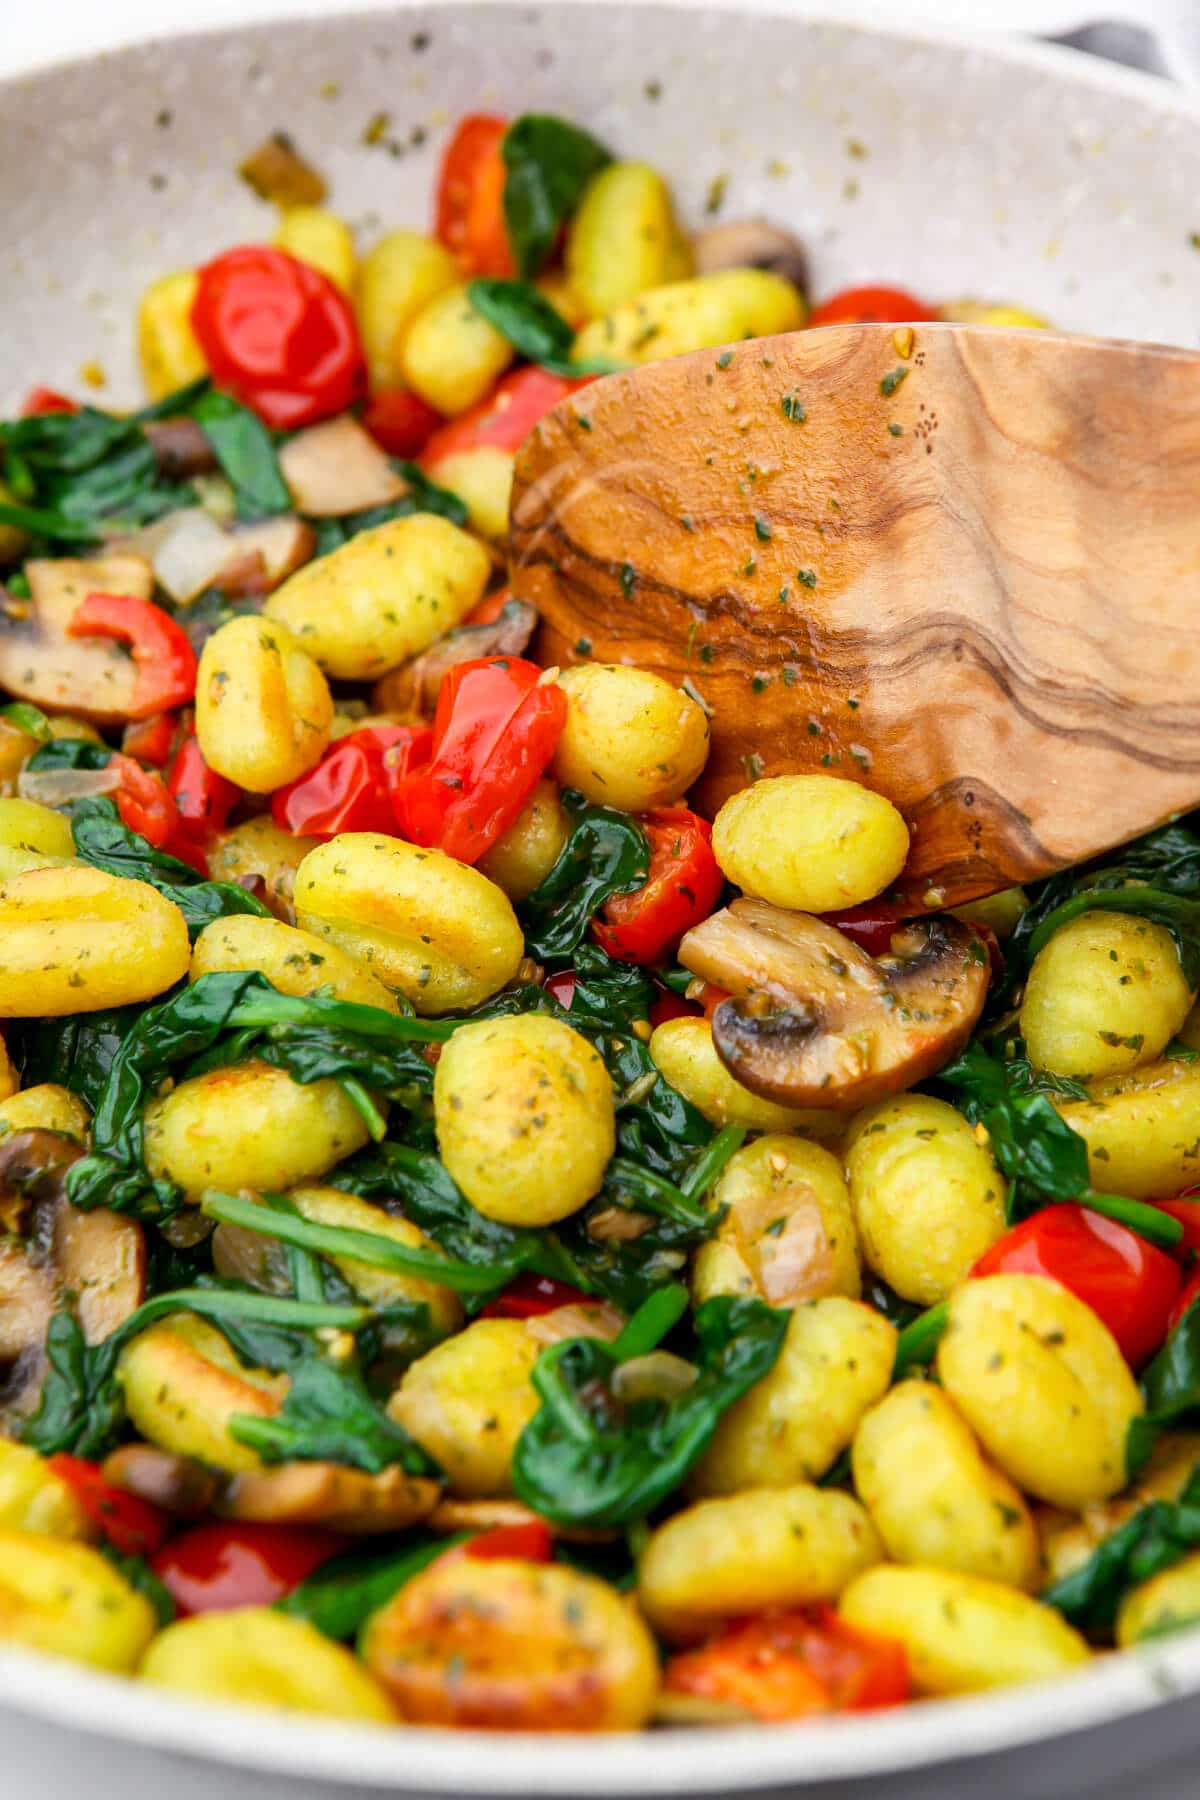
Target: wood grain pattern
978	592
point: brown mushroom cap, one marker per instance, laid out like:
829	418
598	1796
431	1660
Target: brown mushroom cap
814	1021
179	1484
751	244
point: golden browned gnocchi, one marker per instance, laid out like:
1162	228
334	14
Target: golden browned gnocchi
529	849
253	1656
397	278
46	1107
788	1232
32	835
928	1199
467	1401
263	707
836	1362
427	926
696	314
450	354
1141	1128
624	239
539	1089
168	348
33	1498
257	850
183	1384
66	1599
383	597
1042	1385
513	1646
1165	1603
812	843
77	940
293	961
384	1287
1107	993
631	739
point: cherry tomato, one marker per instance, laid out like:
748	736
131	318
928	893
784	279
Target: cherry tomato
216	1567
132	1526
470	197
489	608
505	418
562	986
681	889
1189	1292
789	1664
667	1004
496	726
870	306
527	1543
710	997
143	802
1129	1284
279	336
400	420
151	740
161	649
528	1296
1187	1211
41	400
350	788
203	798
870	926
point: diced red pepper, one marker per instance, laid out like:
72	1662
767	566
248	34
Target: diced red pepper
143	802
160	647
133	1526
217	1567
278	335
529	1296
151	740
489	608
667	1004
203	799
400	421
870	306
1129	1283
788	1665
562	986
41	400
524	1543
1189	1293
505	418
1187	1211
681	889
496	726
470	197
350	789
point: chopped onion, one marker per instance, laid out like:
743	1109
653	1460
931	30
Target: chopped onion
187	551
587	1318
337	468
659	1376
59	787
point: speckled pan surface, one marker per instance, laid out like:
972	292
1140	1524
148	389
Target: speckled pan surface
1015	173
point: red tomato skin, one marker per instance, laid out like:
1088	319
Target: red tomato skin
133	1526
526	1543
203	798
789	1665
350	788
1187	1211
469	218
870	306
160	647
41	400
143	802
279	336
562	986
667	1004
151	740
529	1296
1130	1284
682	888
504	419
871	926
217	1567
400	421
495	729
489	608
1188	1294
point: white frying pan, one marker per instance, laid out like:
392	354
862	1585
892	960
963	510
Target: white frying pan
1016	173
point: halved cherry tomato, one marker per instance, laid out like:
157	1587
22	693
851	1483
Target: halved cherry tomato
400	420
667	1004
41	400
132	1526
278	335
203	798
151	740
143	802
529	1296
160	647
505	418
870	306
562	986
350	788
710	997
470	197
527	1543
496	726
1188	1294
216	1567
1187	1211
680	890
1129	1284
789	1664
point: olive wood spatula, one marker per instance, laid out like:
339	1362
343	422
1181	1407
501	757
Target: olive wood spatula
959	564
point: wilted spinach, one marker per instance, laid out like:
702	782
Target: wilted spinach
1170	1388
549	162
1157	1536
342	1595
75	1052
244	448
534	328
606	853
102	841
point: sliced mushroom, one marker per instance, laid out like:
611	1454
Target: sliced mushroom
241	1255
751	244
181	447
265	554
101	1260
92	677
32	1167
814	1021
179	1484
337	468
413	688
322	1493
450	1515
276	171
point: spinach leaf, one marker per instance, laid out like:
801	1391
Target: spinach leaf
102	840
1170	1387
82	1408
23	716
342	1595
242	445
606	853
612	993
549	162
141	1576
534	328
588	1459
1043	1158
1157	1536
186	1026
85	475
69	753
328	1414
919	1338
423	496
75	1052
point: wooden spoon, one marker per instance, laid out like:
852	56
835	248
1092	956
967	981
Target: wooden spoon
958	564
